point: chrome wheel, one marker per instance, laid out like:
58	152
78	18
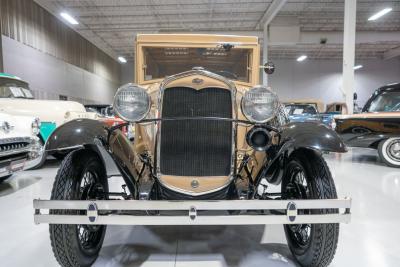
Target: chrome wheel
389	151
89	236
298	188
393	149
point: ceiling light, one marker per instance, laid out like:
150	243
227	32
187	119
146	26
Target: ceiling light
357	67
122	59
301	58
380	14
69	18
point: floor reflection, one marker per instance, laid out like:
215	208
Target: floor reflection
188	245
14	184
357	155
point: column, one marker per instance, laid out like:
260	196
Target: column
349	52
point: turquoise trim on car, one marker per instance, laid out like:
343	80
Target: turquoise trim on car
6	75
46	129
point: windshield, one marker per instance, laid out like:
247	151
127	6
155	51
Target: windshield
387	101
10	88
300	109
232	63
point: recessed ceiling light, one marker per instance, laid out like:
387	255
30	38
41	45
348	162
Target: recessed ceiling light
122	59
380	14
69	18
301	58
357	67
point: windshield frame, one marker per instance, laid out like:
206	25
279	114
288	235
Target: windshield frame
23	86
254	64
376	94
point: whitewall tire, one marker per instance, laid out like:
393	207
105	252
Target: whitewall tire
389	151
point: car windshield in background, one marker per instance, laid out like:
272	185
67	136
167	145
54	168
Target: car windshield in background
166	61
387	101
300	109
10	88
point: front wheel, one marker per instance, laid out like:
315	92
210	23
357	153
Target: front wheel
81	177
389	151
308	177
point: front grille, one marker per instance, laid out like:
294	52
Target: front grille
196	147
8	145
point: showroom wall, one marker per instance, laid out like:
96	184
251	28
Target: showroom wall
321	79
50	78
56	60
128	72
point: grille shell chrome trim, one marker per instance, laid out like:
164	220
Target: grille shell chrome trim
163	86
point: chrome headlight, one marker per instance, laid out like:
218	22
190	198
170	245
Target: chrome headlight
36	126
131	102
260	104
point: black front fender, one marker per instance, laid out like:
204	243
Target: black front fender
83	133
310	135
75	134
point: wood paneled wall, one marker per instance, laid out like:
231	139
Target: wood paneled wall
29	23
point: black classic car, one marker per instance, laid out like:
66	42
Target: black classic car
377	127
206	135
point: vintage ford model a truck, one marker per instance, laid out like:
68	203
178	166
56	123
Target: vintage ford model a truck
206	136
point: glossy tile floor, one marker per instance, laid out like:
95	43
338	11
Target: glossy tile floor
372	238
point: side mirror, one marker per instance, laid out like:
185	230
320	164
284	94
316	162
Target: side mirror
269	68
355	96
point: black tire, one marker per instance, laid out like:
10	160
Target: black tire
67	242
59	156
312	245
389	153
2	179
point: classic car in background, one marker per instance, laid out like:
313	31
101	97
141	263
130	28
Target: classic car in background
336	108
302	113
308	110
17	99
20	148
107	115
206	136
377	127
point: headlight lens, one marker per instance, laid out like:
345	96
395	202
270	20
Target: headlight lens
36	126
259	104
131	103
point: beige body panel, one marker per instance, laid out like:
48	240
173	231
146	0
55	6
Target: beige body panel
194	185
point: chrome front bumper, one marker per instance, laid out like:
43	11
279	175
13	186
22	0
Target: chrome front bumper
289	212
22	158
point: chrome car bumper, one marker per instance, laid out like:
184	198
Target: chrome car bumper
18	158
114	212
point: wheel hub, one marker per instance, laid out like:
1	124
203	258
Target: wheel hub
298	189
89	190
394	149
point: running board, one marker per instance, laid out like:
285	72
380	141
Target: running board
291	207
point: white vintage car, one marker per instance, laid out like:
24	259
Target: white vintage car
17	99
20	146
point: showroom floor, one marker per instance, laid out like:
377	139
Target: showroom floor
370	240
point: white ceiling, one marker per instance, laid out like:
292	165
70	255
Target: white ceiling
113	24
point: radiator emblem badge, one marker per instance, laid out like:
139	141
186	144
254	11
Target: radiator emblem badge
194	183
197	81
